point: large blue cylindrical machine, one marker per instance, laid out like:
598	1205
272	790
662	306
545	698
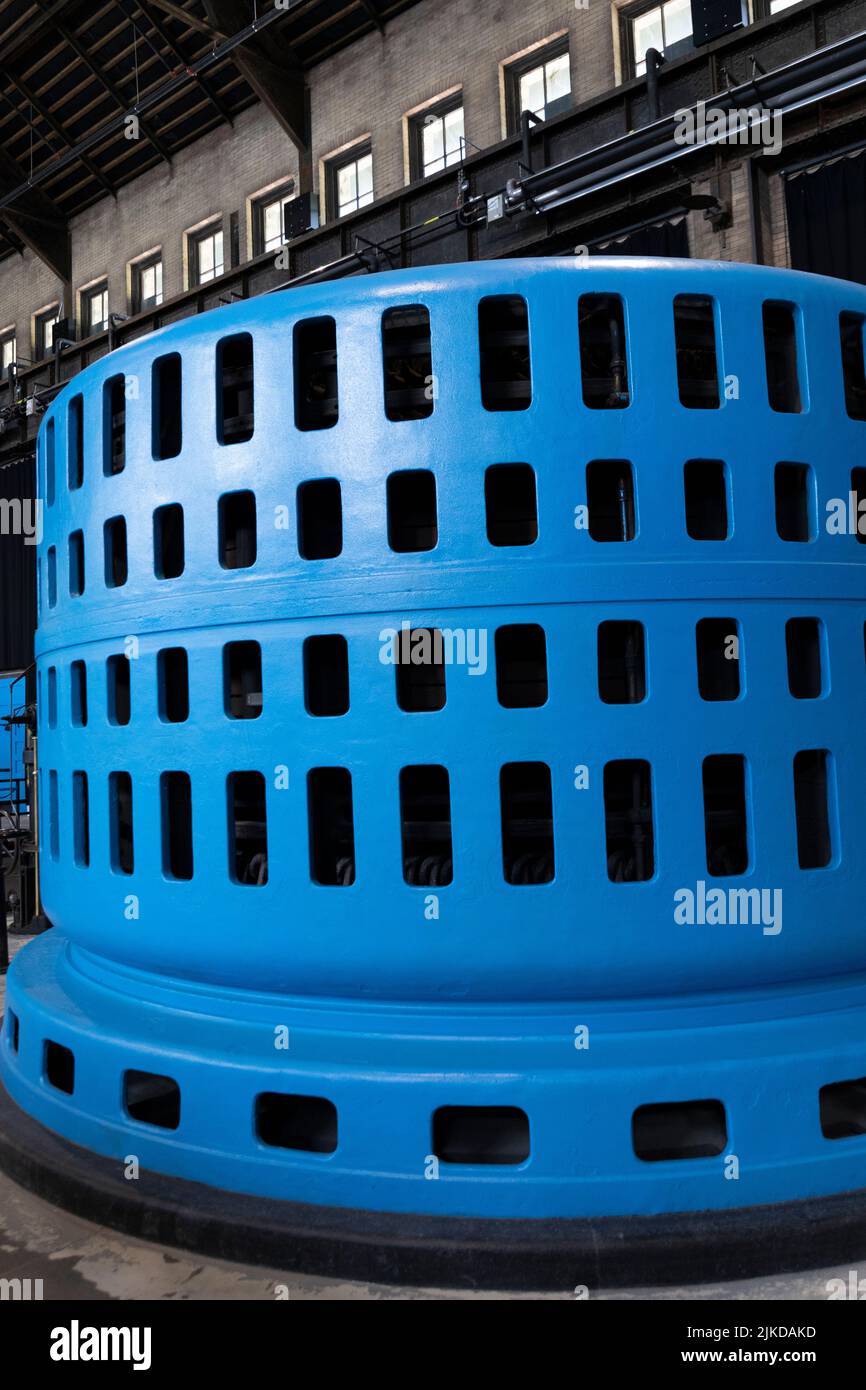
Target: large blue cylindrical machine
450	741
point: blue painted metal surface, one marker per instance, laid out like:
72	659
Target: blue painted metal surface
396	1005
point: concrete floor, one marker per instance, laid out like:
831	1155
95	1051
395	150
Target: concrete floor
79	1261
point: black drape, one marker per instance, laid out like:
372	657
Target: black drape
17	568
827	219
659	239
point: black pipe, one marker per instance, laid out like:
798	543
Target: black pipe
654	60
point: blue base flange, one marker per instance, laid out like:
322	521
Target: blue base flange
387	1069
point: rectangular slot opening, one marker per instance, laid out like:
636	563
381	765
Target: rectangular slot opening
718	651
50	463
52	577
412	519
489	1134
235	398
603	356
812	804
621	663
407	363
76	564
173	685
167	406
803	642
628	816
511	504
307	1124
425	817
60	1068
681	1129
248	829
75	442
610	500
697	365
52	697
503	335
119	672
326	676
332	826
114	426
706	493
853	367
13	1030
320	519
151	1099
80	820
242	680
78	691
316	389
420	670
120	822
237	530
521	666
843	1109
725	822
168	541
780	353
53	816
526	800
116	561
795	502
176	801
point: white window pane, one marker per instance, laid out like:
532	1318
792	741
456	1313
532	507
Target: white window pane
365	178
678	21
647	33
454	131
273	225
434	143
532	91
49	332
158	282
218	253
777	5
347	186
205	256
558	78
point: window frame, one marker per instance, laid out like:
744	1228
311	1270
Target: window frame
139	268
334	166
283	193
195	240
627	15
8	336
417	122
518	69
41	319
87	298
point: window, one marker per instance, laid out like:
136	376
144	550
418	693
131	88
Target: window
46	323
437	139
667	27
350	182
94	310
541	83
269	219
147	284
8	351
206	255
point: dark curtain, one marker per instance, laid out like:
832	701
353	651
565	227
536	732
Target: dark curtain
664	239
827	219
17	572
